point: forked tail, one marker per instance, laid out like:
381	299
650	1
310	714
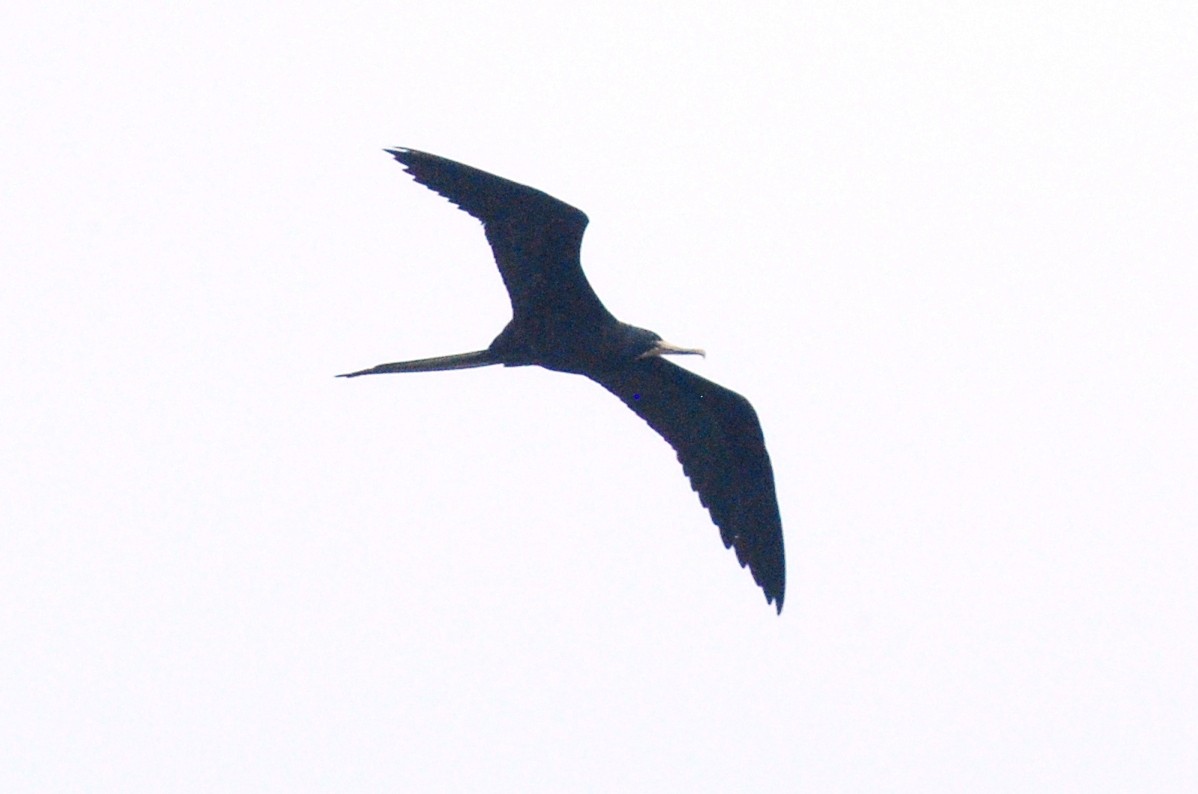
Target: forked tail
479	358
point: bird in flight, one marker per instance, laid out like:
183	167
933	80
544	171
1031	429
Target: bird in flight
558	322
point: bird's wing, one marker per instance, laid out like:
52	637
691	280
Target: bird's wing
719	442
536	238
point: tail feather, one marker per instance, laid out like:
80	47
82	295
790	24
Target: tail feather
479	358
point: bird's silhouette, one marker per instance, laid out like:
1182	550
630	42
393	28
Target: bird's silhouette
559	323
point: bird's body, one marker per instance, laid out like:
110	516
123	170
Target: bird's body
558	322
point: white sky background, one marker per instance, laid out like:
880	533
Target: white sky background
948	252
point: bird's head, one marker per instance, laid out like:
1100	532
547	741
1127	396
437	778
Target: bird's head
663	348
653	345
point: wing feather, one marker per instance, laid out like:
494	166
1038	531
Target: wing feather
719	442
536	239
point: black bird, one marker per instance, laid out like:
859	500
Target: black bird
559	323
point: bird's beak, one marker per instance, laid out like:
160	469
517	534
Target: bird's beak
663	348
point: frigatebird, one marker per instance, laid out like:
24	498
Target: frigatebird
559	323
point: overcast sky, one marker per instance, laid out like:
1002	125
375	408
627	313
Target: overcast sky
947	250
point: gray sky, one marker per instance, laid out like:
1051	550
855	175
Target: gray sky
946	250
